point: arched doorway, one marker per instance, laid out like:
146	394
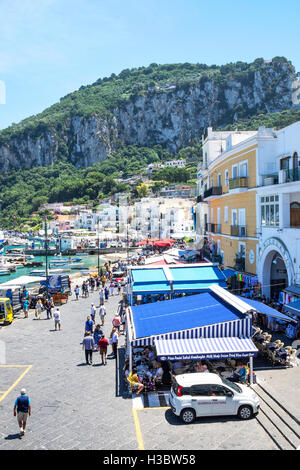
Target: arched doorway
276	268
278	276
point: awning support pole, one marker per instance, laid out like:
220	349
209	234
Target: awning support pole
251	370
130	357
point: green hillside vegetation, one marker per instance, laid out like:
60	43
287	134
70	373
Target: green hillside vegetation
117	90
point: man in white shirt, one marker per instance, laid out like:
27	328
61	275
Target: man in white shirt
102	313
56	316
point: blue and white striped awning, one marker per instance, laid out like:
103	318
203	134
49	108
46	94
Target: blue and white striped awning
236	328
204	348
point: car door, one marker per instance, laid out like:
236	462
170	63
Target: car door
222	401
201	399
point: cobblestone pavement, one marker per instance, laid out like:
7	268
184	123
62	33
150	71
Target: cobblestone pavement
74	405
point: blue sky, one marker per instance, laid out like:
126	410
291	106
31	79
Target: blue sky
49	48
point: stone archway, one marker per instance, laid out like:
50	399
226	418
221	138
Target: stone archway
276	268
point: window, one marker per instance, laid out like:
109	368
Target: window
226	178
226	214
219	390
269	211
234	171
242	249
201	390
219	179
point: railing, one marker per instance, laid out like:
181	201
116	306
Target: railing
238	230
218	228
235	183
283	176
213	191
210	228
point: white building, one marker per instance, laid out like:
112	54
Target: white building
163	218
278	209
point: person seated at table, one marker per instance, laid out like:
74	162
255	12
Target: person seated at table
135	382
158	373
240	374
197	366
204	369
177	367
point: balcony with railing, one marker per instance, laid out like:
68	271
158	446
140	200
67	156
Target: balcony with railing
213	191
238	230
237	183
282	176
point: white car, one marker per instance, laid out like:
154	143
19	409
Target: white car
205	394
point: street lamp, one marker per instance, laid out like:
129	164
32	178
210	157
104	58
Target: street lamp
98	246
46	248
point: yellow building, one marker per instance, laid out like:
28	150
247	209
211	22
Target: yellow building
229	190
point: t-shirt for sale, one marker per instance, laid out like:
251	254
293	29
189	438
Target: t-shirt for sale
103	343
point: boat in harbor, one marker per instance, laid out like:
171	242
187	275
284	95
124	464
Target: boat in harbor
42	272
4	272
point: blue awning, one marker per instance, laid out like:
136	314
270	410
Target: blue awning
229	273
205	310
193	279
156	288
204	348
265	309
294	308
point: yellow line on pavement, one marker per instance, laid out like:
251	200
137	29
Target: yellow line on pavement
138	429
15	365
16	382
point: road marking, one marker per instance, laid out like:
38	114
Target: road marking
16	381
138	431
137	401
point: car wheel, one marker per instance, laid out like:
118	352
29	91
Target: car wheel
245	412
188	416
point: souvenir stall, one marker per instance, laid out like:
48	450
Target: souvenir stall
237	282
214	326
152	283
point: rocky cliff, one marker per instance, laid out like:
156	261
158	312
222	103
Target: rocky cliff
167	112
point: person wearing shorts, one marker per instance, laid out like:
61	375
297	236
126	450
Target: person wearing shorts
56	316
22	409
102	348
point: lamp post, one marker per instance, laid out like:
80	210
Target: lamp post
98	246
46	248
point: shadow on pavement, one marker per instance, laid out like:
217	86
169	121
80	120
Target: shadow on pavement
11	437
121	389
176	421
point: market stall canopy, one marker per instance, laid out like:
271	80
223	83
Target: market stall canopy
150	281
204	315
294	290
193	278
229	273
265	309
22	281
204	348
294	308
179	278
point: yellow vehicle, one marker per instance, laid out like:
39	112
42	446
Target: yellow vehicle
6	311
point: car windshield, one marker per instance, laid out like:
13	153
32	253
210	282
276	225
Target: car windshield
231	385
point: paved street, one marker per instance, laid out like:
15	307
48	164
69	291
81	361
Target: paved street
75	406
